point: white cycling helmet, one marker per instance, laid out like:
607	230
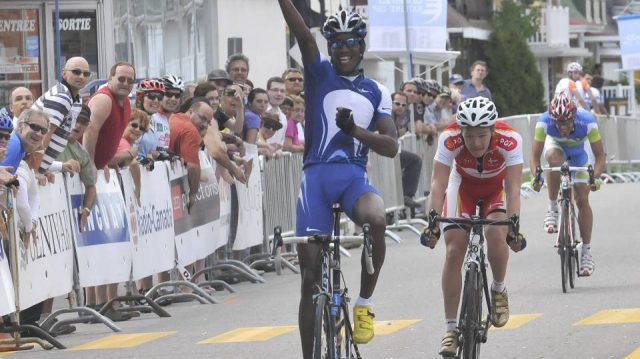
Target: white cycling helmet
477	112
344	22
173	82
573	67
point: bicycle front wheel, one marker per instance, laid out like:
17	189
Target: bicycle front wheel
563	248
324	331
471	314
345	346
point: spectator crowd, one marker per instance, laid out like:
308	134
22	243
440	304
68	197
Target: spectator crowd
62	132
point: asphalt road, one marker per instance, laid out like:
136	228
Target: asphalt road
600	318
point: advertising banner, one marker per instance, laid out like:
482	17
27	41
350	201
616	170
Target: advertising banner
629	32
151	221
45	265
426	25
7	295
103	246
203	228
250	223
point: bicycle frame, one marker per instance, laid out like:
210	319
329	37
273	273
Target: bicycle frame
567	242
331	294
473	329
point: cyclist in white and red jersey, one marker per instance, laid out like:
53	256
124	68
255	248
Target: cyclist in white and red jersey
478	158
569	86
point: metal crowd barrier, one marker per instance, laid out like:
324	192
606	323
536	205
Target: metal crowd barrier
281	180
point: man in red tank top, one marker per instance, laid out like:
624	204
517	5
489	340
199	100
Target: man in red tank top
110	110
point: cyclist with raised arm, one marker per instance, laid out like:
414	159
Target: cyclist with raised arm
566	132
343	109
478	158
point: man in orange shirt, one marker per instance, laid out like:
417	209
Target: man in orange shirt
185	131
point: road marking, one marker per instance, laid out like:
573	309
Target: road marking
385	327
254	334
612	316
121	341
518	320
634	355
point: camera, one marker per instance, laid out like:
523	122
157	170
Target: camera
229	92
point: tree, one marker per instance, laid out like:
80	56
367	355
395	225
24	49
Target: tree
515	82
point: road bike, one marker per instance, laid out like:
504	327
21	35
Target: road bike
333	333
568	240
472	326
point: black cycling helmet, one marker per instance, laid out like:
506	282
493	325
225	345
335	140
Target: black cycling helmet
344	22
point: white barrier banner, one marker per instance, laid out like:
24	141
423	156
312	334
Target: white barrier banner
45	266
151	230
198	232
7	295
250	224
103	246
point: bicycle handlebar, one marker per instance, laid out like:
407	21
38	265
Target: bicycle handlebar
472	221
565	169
322	238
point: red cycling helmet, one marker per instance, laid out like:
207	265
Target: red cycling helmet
150	85
562	108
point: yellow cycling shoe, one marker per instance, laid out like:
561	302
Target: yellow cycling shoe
362	324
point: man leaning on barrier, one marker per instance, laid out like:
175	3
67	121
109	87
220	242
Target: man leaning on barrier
27	138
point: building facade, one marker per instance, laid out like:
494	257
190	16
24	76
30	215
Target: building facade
188	38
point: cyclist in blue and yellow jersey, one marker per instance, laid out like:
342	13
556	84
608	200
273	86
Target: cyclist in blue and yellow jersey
566	132
343	109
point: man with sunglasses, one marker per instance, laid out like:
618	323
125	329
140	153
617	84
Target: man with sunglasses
410	163
62	104
293	82
344	109
110	111
566	132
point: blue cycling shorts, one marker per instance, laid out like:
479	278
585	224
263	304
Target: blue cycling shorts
579	156
323	185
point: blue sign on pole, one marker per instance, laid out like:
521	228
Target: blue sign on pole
629	32
426	25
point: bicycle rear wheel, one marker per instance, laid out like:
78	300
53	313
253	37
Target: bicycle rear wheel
471	315
324	331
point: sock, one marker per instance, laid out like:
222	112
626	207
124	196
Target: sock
498	287
364	301
586	248
553	206
450	325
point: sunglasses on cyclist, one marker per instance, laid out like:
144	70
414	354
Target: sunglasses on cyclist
400	104
565	123
128	80
36	128
172	94
5	136
79	72
155	96
351	43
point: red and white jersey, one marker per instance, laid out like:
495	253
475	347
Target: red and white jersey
505	150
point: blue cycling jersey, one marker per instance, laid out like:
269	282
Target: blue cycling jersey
325	91
577	146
